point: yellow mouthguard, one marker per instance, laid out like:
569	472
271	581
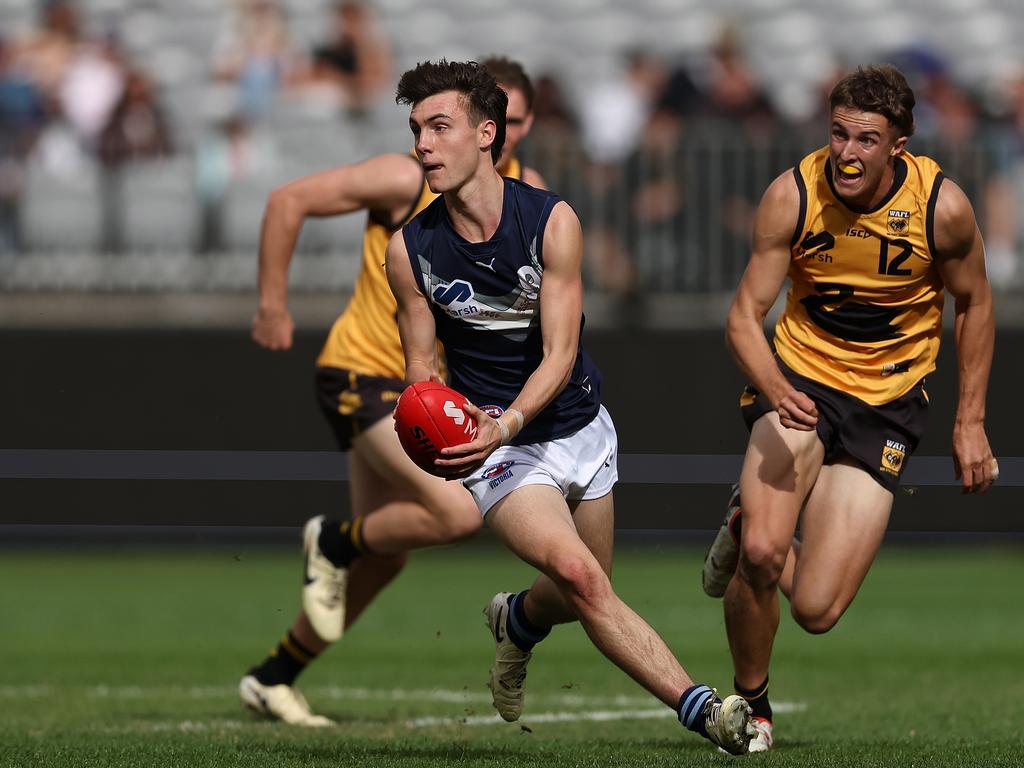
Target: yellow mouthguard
849	170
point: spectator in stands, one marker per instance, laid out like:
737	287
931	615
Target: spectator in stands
93	83
356	59
22	116
617	107
232	152
137	128
730	88
1004	192
947	111
47	54
551	115
613	118
253	51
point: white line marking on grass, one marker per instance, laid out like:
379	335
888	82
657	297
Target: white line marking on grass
332	692
599	716
185	726
544	717
618	707
25	691
337	693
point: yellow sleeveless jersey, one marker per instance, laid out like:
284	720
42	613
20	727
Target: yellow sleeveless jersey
864	310
365	336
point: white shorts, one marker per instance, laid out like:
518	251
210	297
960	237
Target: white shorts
581	465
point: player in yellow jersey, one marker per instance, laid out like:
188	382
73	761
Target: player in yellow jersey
870	237
396	507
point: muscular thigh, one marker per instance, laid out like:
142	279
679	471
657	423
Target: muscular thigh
780	468
595	523
535	523
841	528
386	473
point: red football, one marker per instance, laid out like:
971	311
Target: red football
430	417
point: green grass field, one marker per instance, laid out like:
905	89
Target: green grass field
132	658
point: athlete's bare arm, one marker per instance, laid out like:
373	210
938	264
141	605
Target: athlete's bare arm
774	224
415	320
561	308
387	183
960	260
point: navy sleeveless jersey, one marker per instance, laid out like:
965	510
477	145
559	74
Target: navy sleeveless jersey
486	303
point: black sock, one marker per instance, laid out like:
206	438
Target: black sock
757	698
342	542
284	663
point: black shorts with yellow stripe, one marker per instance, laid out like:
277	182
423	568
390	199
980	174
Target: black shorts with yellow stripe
353	402
880	438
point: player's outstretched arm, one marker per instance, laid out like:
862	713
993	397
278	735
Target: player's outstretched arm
960	259
415	320
759	287
387	183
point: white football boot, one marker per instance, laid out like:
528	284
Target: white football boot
763	740
728	724
323	587
279	702
724	553
509	671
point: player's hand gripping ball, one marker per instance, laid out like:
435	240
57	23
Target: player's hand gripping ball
430	417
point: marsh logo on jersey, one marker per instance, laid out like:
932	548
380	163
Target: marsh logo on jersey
817	246
899	221
456	298
893	456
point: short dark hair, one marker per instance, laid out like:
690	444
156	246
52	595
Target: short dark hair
510	73
881	89
484	99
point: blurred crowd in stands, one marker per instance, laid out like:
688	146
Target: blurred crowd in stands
622	149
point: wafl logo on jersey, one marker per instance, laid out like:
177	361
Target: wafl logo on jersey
899	221
893	456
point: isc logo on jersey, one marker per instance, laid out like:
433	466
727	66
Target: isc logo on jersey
456	298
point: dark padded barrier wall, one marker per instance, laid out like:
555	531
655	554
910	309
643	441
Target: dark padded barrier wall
669	392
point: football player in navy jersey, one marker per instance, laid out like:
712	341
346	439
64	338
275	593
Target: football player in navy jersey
492	269
395	507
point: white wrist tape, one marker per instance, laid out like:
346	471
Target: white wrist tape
506	433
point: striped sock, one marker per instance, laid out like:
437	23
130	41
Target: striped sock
524	633
284	663
691	707
342	542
